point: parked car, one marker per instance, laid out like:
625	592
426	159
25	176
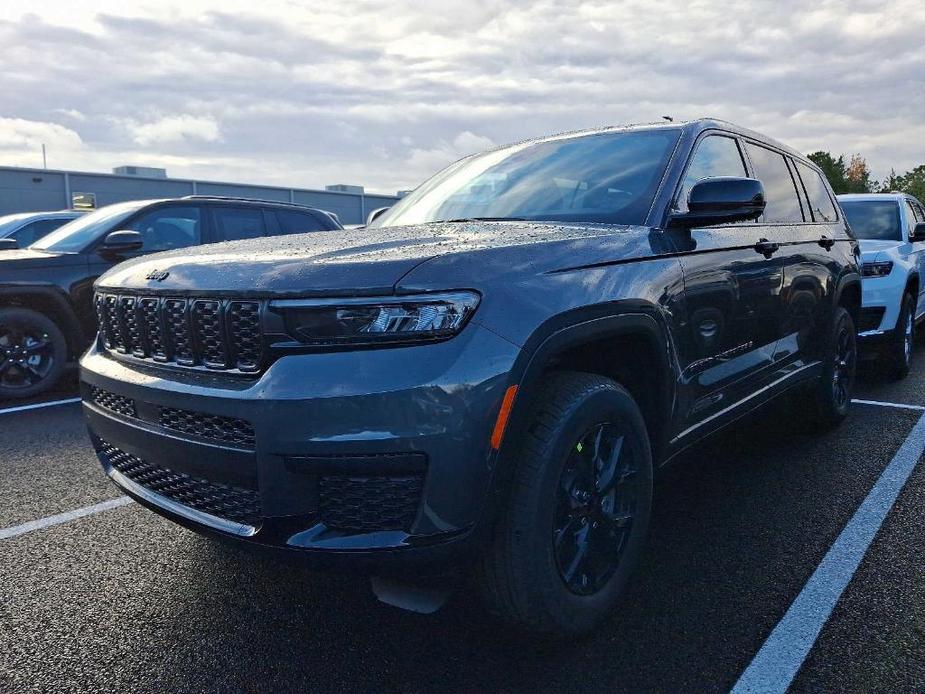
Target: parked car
24	228
46	290
891	230
489	375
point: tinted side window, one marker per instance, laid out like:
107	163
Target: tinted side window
919	212
910	216
783	204
36	230
716	155
232	223
297	222
820	202
164	228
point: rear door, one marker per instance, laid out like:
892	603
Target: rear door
231	223
299	221
731	296
812	262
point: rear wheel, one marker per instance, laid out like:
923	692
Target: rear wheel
33	353
899	350
578	510
831	396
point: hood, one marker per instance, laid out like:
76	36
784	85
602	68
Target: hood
873	250
25	258
370	261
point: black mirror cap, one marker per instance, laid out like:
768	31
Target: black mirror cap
918	233
375	214
722	200
8	244
122	241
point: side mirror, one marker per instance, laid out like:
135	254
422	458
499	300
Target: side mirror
722	200
375	214
124	241
8	244
918	233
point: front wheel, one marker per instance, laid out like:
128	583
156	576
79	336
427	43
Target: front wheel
578	509
831	396
899	350
33	353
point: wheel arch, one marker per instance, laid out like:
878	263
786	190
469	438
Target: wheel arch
633	347
913	285
51	303
848	294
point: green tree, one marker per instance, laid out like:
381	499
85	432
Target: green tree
912	182
834	170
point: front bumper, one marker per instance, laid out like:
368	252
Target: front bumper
880	304
348	458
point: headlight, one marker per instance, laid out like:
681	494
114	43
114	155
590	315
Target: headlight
374	320
877	269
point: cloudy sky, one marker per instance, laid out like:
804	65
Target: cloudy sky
383	94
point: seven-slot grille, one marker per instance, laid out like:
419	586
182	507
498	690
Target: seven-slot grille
218	334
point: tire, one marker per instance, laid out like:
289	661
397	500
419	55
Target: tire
526	576
899	350
831	396
33	353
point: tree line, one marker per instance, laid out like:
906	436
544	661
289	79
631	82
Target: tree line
852	175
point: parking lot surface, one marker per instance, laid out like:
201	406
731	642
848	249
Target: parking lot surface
121	600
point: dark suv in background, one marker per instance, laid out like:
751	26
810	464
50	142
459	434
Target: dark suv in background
490	375
46	308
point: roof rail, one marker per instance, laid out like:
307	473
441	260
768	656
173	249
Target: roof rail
232	198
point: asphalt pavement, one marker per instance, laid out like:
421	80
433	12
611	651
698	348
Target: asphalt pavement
122	600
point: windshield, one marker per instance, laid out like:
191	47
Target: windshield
75	236
873	219
609	178
11	221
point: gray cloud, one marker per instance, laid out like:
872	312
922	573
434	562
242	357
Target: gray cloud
382	93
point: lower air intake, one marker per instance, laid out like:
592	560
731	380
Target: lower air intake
220	500
368	504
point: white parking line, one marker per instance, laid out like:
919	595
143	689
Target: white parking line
35	406
6	533
900	405
782	655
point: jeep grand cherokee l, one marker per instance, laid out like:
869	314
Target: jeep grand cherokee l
490	376
890	228
46	306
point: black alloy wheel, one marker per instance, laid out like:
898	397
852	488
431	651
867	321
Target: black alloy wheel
596	503
32	353
845	365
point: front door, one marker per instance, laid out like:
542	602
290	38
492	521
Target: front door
914	215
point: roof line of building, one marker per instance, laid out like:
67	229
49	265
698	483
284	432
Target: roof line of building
130	177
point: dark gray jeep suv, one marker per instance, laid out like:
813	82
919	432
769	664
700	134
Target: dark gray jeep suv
489	375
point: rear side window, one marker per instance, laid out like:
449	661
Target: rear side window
820	202
716	155
234	223
291	222
783	203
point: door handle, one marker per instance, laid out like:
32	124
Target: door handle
826	243
767	248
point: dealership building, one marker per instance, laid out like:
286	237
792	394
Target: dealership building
31	190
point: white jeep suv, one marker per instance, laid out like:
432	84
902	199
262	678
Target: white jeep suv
891	230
